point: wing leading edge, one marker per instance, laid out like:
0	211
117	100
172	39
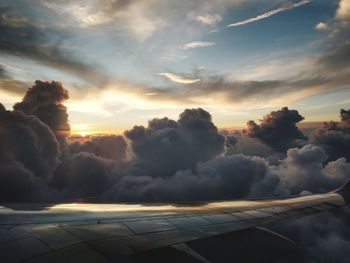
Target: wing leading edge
104	233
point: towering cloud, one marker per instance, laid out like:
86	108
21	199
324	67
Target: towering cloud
29	154
277	129
166	146
44	100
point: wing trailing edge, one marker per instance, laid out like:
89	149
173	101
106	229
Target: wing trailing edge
344	191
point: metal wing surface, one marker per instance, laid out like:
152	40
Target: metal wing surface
112	232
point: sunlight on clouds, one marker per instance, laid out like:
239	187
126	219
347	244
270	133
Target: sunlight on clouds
343	12
8	99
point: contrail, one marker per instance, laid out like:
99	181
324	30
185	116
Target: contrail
270	13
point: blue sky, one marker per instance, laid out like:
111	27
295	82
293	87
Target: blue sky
125	62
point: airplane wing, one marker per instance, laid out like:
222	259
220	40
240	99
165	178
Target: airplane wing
112	232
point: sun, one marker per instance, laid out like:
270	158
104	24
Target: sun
84	133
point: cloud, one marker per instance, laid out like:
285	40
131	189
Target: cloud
219	178
36	41
336	61
29	153
197	44
285	7
44	100
168	160
303	170
229	92
85	175
277	129
322	26
323	237
139	19
175	145
334	137
250	147
208	19
108	146
178	78
9	84
343	11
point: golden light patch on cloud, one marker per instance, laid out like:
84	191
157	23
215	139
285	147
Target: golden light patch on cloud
343	11
8	98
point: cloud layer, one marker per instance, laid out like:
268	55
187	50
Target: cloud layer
169	160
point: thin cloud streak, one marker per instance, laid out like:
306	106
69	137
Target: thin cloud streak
285	7
197	44
178	78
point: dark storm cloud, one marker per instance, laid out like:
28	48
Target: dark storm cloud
23	37
44	100
29	154
334	137
219	178
109	146
86	176
166	146
277	129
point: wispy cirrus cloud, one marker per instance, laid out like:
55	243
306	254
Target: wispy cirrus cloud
178	78
197	44
285	7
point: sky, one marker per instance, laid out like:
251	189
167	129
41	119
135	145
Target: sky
125	62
